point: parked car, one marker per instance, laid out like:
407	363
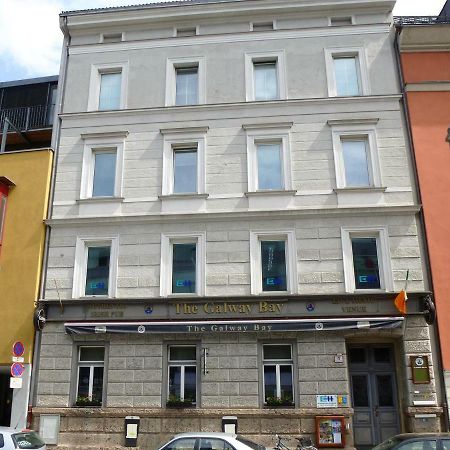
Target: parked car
416	441
211	441
11	439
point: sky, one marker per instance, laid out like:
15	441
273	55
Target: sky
30	38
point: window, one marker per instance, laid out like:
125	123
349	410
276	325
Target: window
110	38
340	21
185	81
182	374
90	374
347	73
268	156
265	76
104	173
420	444
101	174
214	444
181	444
262	26
182	264
186	32
273	262
366	260
273	265
107	89
184	161
3	196
187	86
278	374
184	170
95	267
270	175
355	154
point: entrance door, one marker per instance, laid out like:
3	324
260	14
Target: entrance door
5	399
374	394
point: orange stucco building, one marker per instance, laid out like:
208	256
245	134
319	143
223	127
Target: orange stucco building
424	48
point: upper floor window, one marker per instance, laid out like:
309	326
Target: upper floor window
101	173
262	26
184	161
273	262
356	154
107	89
268	157
185	81
265	76
186	31
347	73
366	257
95	267
110	90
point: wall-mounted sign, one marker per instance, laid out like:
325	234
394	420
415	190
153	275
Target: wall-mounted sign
17	369
420	369
18	348
326	401
330	431
15	383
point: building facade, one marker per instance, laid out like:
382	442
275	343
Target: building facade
235	211
424	45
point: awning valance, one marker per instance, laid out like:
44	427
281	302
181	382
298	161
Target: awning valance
233	326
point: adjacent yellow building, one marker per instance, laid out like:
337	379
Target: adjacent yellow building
24	190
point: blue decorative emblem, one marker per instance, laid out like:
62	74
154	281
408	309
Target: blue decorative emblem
310	307
148	309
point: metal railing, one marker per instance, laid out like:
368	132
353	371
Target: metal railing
28	117
421	20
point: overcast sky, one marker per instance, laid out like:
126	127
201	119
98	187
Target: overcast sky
30	38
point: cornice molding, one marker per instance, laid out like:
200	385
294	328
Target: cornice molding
230	38
359	211
359	121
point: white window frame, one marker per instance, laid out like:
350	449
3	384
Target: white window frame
341	131
277	363
383	254
250	59
91	365
94	87
259	134
80	266
167	241
183	138
97	143
183	364
361	66
255	260
172	65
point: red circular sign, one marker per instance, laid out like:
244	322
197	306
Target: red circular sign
18	348
17	370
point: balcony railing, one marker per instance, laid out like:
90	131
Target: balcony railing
28	117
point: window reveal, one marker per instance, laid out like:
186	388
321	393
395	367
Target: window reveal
273	260
104	173
270	174
90	375
186	85
278	374
356	166
346	75
185	170
97	270
184	268
182	383
365	262
110	90
265	79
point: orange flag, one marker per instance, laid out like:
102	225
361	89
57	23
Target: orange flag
400	301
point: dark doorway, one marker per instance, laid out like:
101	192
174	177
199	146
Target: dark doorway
6	395
374	393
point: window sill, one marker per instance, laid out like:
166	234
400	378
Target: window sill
263	193
100	200
183	196
360	189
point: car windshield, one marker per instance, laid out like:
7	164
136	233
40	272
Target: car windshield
249	443
388	444
28	439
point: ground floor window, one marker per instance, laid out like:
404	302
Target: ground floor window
91	361
182	377
277	374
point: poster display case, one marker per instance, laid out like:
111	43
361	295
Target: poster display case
330	431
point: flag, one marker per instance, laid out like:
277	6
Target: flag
400	301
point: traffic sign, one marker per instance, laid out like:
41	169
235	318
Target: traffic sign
17	370
18	348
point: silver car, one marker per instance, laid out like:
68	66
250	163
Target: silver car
11	438
210	441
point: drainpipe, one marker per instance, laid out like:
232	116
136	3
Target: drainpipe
398	30
56	134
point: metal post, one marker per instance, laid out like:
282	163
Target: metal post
4	135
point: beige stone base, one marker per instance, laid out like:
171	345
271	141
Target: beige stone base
104	428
